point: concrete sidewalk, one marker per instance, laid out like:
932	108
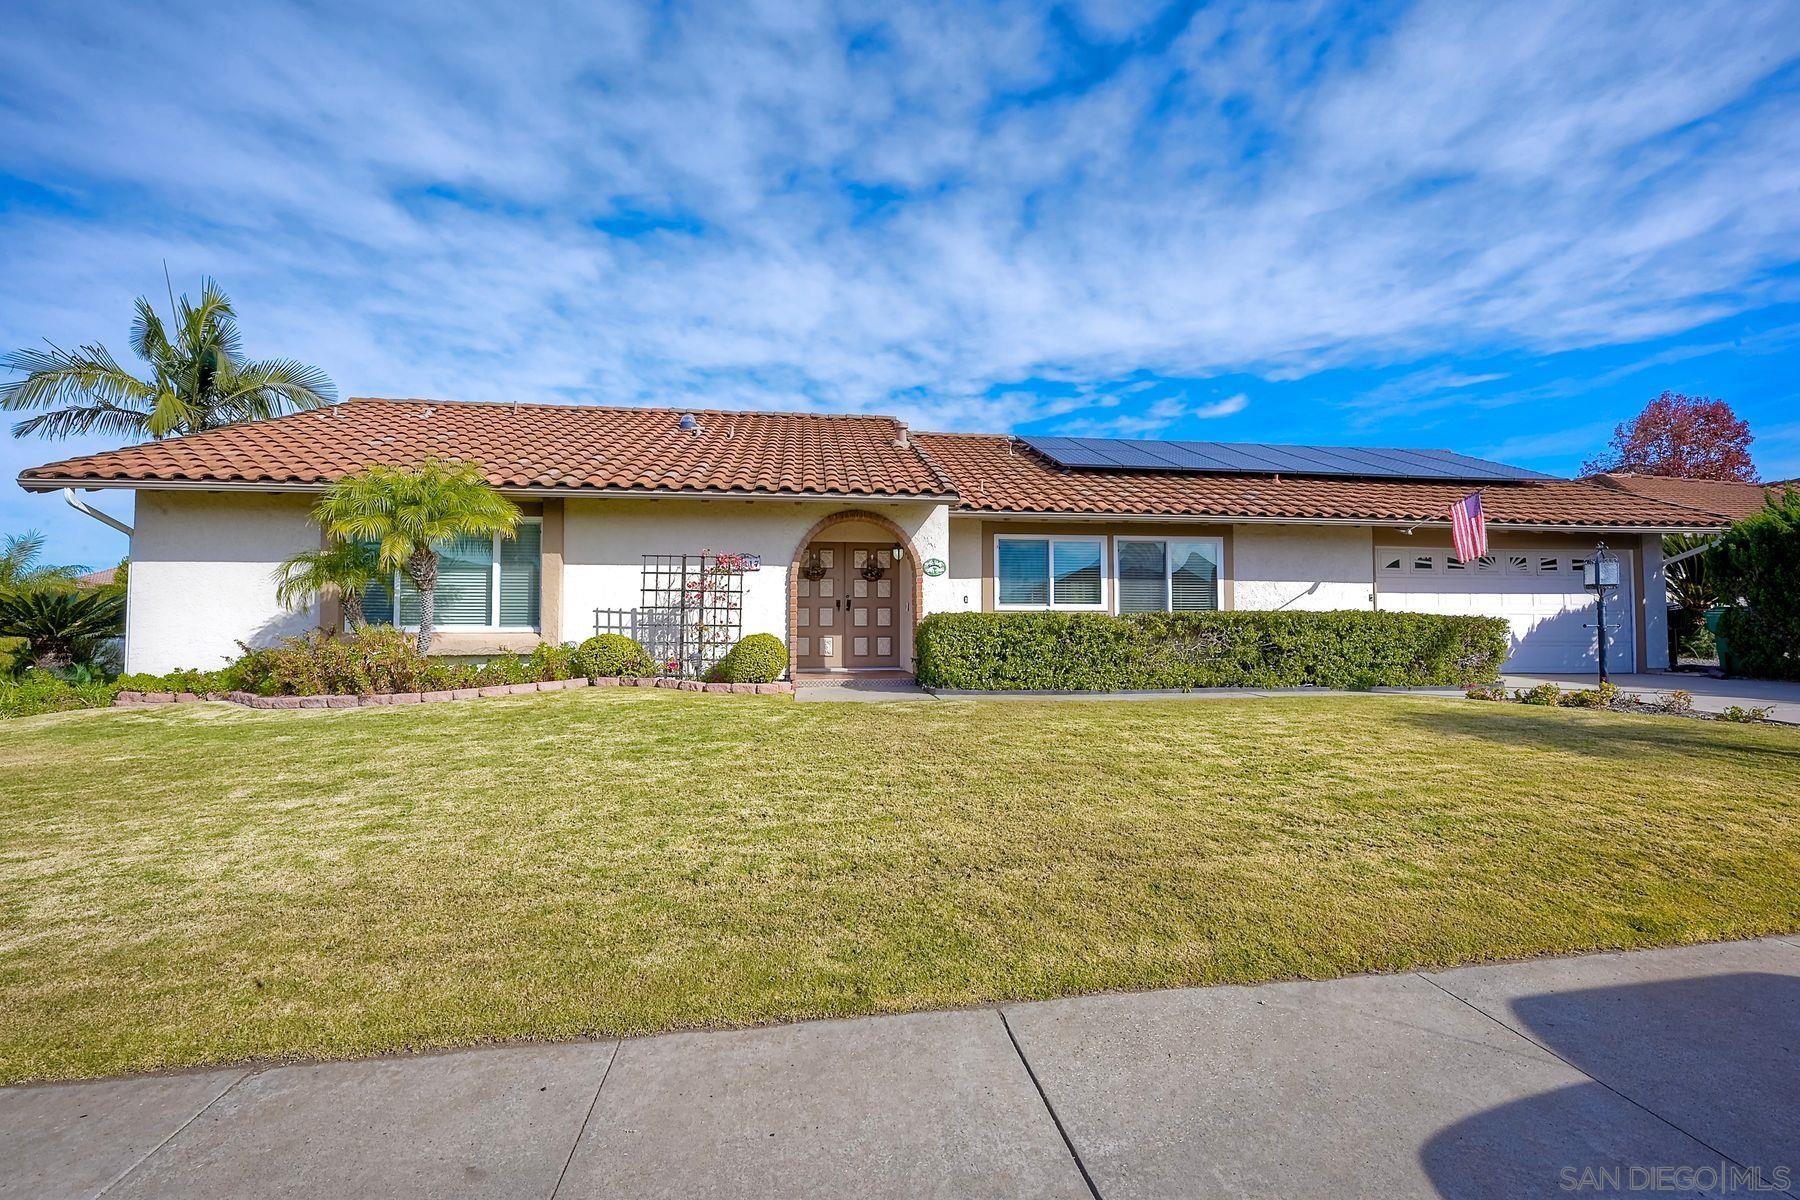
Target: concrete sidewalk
1539	1078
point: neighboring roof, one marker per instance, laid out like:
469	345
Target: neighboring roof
1001	475
94	579
533	447
1715	497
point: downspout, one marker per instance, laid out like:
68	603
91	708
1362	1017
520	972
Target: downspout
81	506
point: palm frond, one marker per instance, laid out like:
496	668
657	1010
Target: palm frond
56	376
149	341
211	323
101	419
273	386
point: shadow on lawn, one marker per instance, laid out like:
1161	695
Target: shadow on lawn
1636	738
1715	1058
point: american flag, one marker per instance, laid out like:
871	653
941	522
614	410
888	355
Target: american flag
1468	528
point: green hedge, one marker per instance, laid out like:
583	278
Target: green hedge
1092	652
1757	566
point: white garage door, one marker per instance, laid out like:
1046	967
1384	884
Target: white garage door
1537	592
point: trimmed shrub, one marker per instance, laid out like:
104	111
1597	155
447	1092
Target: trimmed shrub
612	654
1546	695
1093	652
759	658
1756	570
41	692
549	662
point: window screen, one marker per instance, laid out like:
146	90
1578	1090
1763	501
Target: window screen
1023	569
1077	572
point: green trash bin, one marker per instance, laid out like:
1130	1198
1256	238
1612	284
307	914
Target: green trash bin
1713	616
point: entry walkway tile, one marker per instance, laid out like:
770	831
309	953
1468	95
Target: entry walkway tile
934	1105
1706	1036
482	1123
1367	1087
72	1139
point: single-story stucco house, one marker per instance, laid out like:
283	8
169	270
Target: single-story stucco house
858	526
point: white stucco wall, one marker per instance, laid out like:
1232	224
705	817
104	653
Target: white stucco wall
1317	567
962	582
604	543
200	579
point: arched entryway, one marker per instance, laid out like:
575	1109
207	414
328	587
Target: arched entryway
854	596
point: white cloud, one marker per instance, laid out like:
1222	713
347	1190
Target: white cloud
862	213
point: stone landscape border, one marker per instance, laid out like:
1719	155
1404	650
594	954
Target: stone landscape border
382	699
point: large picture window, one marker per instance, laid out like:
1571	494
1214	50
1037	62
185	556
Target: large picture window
1168	575
483	583
1050	572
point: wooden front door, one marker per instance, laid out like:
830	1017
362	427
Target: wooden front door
845	620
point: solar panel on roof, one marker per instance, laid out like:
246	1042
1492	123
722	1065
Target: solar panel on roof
1257	458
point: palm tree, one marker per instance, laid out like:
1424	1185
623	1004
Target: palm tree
347	568
61	627
199	380
22	565
407	512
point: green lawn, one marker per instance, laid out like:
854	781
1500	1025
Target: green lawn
204	884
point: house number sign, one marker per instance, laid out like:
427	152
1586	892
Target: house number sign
935	567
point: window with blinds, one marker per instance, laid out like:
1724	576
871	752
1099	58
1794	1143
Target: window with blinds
1168	576
1193	576
470	592
1022	566
1143	576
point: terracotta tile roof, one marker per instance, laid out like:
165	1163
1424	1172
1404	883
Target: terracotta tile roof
530	446
1000	475
1715	497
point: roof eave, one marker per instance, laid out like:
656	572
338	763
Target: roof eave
1374	522
41	485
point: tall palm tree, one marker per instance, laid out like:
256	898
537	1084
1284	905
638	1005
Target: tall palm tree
407	512
22	563
347	568
198	379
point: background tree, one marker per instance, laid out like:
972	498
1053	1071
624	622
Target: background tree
346	568
198	379
1756	570
407	512
22	563
1691	437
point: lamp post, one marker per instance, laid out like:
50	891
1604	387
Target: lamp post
1600	575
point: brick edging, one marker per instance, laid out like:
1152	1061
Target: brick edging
376	700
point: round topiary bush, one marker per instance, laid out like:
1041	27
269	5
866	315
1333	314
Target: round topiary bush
759	658
612	654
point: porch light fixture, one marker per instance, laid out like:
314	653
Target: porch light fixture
1600	575
899	552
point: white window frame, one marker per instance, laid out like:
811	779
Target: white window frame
1218	549
493	592
1105	605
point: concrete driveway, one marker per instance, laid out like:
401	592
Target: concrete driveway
1710	695
1657	1072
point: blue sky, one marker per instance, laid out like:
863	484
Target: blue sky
1497	228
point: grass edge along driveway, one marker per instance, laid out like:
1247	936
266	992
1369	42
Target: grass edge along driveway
201	884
